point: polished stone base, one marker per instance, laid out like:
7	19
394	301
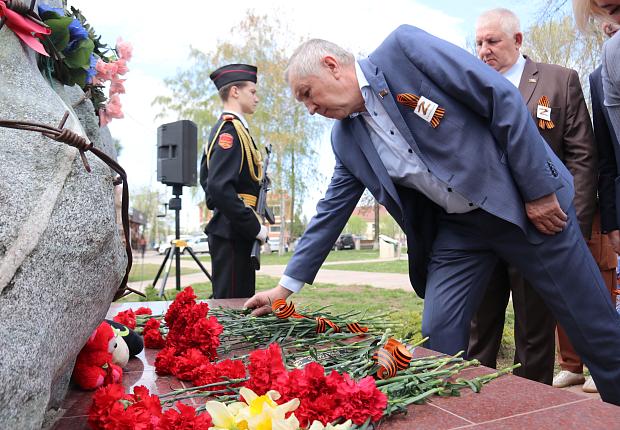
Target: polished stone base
507	403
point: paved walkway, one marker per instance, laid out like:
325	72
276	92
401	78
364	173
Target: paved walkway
390	281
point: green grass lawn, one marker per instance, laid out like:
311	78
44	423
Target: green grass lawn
351	255
402	306
394	266
274	258
147	272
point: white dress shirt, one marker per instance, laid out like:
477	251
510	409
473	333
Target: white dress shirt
241	118
516	71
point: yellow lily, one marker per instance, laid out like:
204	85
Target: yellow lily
318	425
223	416
259	413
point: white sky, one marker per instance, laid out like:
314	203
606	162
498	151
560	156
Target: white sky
162	31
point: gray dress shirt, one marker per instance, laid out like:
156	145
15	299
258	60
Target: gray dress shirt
402	163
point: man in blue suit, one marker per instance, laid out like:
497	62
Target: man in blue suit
447	145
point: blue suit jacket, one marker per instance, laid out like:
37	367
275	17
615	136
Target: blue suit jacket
608	156
486	147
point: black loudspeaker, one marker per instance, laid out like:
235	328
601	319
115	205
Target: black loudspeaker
176	153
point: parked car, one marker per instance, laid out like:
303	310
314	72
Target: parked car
345	241
274	244
166	244
198	244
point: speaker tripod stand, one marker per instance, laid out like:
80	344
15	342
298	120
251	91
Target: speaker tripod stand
175	248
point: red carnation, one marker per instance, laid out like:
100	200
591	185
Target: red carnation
154	340
210	373
185	419
205	335
164	362
129	419
105	403
363	400
322	397
112	409
144	311
319	399
182	300
292	384
152	335
187	363
147	401
192	339
127	318
152	324
265	367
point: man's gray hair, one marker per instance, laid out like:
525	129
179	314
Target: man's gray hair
508	20
306	60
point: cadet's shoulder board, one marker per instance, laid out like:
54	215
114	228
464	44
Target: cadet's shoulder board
225	141
228	117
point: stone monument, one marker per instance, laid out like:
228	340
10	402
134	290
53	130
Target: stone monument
61	255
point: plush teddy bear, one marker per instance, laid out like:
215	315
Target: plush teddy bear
96	364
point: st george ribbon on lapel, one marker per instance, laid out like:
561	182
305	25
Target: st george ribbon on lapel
543	113
423	107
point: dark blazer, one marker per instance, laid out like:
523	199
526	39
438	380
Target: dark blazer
608	156
486	147
572	138
223	177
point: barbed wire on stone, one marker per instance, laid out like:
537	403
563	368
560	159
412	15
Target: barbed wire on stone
69	137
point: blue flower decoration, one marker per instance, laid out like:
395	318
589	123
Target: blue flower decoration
77	30
46	8
91	72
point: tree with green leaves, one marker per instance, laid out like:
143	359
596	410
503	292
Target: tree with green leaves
390	227
279	120
149	202
355	225
368	199
299	226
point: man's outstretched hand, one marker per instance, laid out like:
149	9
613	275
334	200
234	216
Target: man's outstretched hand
546	214
261	302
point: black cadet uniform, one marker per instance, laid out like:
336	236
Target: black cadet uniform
230	173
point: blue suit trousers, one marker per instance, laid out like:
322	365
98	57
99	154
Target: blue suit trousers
560	268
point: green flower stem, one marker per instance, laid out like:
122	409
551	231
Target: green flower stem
201	394
200	387
342	352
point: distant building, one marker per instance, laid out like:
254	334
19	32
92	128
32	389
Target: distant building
277	203
367	213
137	224
274	202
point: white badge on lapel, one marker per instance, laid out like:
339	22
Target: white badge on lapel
428	110
543	112
425	109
